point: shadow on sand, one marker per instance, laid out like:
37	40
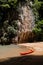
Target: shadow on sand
24	60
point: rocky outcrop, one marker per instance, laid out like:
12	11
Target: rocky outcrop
25	23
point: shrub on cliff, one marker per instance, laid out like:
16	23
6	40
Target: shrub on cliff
38	12
38	31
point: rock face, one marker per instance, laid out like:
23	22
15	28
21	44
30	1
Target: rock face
25	23
26	18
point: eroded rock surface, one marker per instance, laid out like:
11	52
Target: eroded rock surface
25	23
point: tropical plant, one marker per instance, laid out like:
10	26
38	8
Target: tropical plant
38	30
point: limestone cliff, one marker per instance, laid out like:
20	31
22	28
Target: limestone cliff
26	22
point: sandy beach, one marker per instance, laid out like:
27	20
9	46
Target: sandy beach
12	50
10	54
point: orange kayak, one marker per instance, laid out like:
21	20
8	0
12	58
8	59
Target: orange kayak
28	52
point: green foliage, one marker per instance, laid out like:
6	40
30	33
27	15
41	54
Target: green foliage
7	30
11	30
37	5
5	23
8	3
38	30
40	24
5	5
14	24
